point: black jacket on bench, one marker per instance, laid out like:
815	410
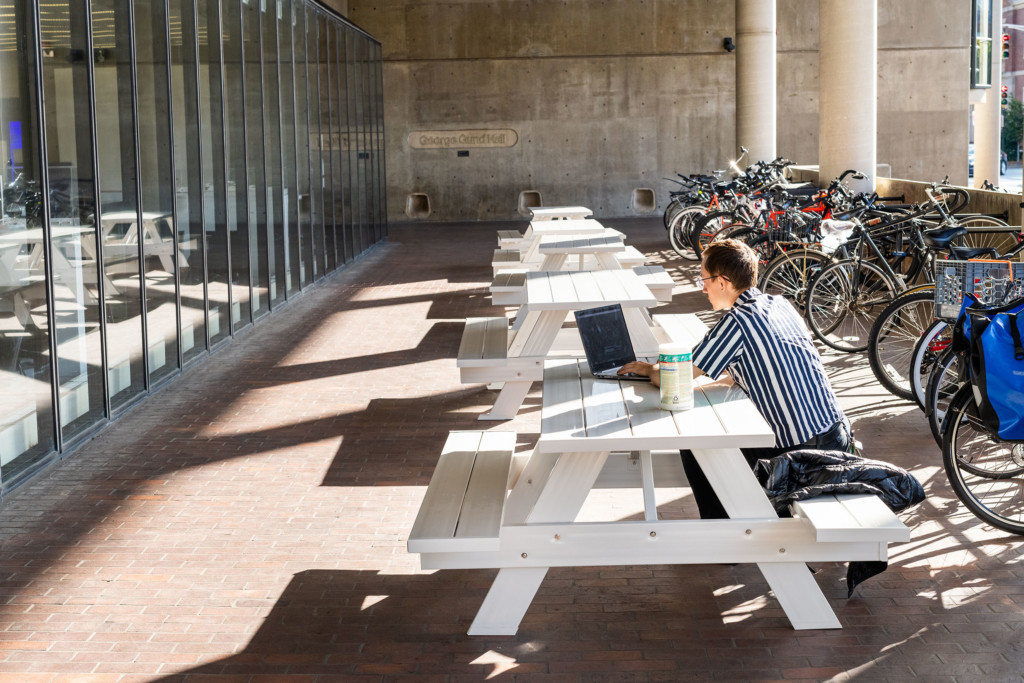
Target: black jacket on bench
803	474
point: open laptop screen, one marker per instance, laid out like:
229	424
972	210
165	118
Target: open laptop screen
605	337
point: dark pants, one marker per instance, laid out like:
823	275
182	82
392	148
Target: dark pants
836	438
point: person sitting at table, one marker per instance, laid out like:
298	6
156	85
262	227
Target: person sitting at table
765	347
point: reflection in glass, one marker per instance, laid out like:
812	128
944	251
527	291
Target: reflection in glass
339	136
256	195
272	152
377	63
289	161
347	246
302	142
157	231
166	167
316	168
26	403
355	179
115	138
72	233
370	117
234	163
214	185
328	135
362	153
188	188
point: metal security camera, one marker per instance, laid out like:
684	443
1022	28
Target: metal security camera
728	44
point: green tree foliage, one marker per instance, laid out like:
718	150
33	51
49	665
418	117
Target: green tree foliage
1013	127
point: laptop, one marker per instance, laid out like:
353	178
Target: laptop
606	341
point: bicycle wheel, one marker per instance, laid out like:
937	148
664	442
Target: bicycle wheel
704	229
790	274
892	339
844	300
765	245
679	231
991	238
923	358
948	375
675	205
985	473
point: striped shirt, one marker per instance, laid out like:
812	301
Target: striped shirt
766	347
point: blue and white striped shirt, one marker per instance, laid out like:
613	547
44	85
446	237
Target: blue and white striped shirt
766	347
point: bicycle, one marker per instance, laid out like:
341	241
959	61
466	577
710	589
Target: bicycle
847	297
961	285
983	450
894	350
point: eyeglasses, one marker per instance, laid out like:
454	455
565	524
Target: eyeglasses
701	280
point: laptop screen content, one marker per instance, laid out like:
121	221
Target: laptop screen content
605	339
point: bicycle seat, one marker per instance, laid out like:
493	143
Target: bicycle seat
965	253
941	237
801	190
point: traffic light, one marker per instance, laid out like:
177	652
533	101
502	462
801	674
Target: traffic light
1005	91
1006	46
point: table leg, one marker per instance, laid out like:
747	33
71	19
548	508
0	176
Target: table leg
510	398
507	601
552	263
551	488
608	261
21	311
742	496
799	594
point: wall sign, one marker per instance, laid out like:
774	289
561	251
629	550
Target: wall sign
451	139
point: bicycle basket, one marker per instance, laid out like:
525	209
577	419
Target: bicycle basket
992	282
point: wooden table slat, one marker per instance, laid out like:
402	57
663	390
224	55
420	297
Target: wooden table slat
562	406
605	411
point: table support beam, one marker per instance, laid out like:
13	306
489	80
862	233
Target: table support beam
794	586
507	601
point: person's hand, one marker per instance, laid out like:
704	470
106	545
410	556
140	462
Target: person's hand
638	367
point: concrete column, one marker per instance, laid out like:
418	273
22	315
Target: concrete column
988	121
848	89
755	78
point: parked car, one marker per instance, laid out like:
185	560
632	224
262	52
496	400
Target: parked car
970	161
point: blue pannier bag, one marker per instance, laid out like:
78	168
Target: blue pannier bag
997	368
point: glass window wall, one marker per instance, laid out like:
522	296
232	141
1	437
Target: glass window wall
155	226
170	171
302	139
188	178
276	253
68	228
26	403
256	197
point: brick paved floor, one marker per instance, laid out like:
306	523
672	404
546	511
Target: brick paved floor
248	523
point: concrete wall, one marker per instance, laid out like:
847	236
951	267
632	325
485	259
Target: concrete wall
606	97
339	6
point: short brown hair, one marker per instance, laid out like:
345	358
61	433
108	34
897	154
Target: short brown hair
734	260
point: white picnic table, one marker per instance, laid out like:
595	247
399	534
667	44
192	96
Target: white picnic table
603	246
533	526
557	213
547	299
537	230
79	239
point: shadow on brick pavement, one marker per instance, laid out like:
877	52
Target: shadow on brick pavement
248	523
